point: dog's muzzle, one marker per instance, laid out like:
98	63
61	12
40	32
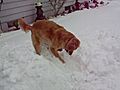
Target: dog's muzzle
69	52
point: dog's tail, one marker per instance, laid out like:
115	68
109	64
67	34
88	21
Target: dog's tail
24	25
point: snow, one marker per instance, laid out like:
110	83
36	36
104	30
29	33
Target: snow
94	66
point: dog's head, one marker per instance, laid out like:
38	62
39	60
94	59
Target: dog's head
72	45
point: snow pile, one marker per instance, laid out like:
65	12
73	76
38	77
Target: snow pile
94	66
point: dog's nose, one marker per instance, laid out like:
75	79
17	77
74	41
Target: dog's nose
70	52
66	50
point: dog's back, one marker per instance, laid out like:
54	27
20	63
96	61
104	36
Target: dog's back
45	29
46	24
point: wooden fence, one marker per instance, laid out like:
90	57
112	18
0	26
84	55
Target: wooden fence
14	9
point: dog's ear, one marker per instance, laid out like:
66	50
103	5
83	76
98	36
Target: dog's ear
73	44
77	43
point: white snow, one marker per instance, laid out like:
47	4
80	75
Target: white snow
94	66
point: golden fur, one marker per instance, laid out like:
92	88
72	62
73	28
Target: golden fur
54	35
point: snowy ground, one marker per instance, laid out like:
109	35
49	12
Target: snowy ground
94	66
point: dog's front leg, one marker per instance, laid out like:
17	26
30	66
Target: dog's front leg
36	44
55	52
37	49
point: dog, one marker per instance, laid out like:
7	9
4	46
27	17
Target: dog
52	34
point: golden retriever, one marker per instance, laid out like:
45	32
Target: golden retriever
54	35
